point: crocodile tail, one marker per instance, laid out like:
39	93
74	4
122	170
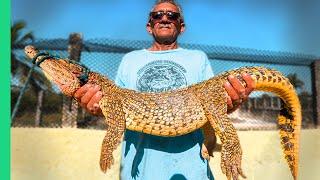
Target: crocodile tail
289	135
289	119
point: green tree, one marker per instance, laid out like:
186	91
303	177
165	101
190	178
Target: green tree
18	37
295	81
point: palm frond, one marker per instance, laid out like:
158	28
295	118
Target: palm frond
295	81
15	28
25	37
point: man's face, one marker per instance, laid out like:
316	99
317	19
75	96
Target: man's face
164	28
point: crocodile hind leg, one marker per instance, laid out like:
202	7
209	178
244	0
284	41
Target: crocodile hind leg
115	121
209	142
231	153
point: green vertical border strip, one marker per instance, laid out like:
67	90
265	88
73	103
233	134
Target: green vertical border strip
5	89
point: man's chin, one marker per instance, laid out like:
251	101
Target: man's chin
167	40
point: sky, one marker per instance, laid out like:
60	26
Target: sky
287	25
269	25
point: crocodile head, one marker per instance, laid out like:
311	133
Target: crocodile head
62	72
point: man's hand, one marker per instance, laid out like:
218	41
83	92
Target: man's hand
89	96
237	93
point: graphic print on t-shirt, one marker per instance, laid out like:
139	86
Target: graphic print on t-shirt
161	75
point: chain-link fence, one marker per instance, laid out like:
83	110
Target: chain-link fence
42	105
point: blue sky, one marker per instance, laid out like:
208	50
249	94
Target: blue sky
269	25
286	25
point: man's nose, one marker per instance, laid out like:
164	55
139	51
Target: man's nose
165	17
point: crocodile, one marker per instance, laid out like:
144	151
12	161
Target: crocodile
181	111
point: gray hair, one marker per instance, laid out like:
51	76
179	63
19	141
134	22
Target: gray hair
171	2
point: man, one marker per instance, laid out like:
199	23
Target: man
164	66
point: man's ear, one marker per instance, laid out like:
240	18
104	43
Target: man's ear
182	27
149	28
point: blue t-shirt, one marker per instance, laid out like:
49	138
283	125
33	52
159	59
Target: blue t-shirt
145	156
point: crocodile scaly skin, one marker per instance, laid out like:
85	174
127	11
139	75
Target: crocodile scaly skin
182	111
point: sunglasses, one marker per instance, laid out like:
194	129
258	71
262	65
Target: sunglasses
172	16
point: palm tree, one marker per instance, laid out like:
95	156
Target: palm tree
17	37
21	71
295	81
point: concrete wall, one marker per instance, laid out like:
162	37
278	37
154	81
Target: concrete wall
52	154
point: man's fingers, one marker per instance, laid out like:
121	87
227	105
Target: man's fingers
237	92
82	91
238	87
93	104
251	85
88	95
231	92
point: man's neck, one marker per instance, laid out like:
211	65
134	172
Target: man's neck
162	47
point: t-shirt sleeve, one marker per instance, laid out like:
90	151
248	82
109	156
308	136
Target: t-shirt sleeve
121	77
206	72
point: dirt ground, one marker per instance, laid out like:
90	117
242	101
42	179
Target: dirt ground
59	154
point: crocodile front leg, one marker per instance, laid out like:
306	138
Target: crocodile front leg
115	121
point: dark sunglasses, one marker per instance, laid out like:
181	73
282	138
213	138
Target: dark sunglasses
172	16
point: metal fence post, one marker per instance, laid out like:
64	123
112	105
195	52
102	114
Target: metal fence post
70	107
316	90
38	118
